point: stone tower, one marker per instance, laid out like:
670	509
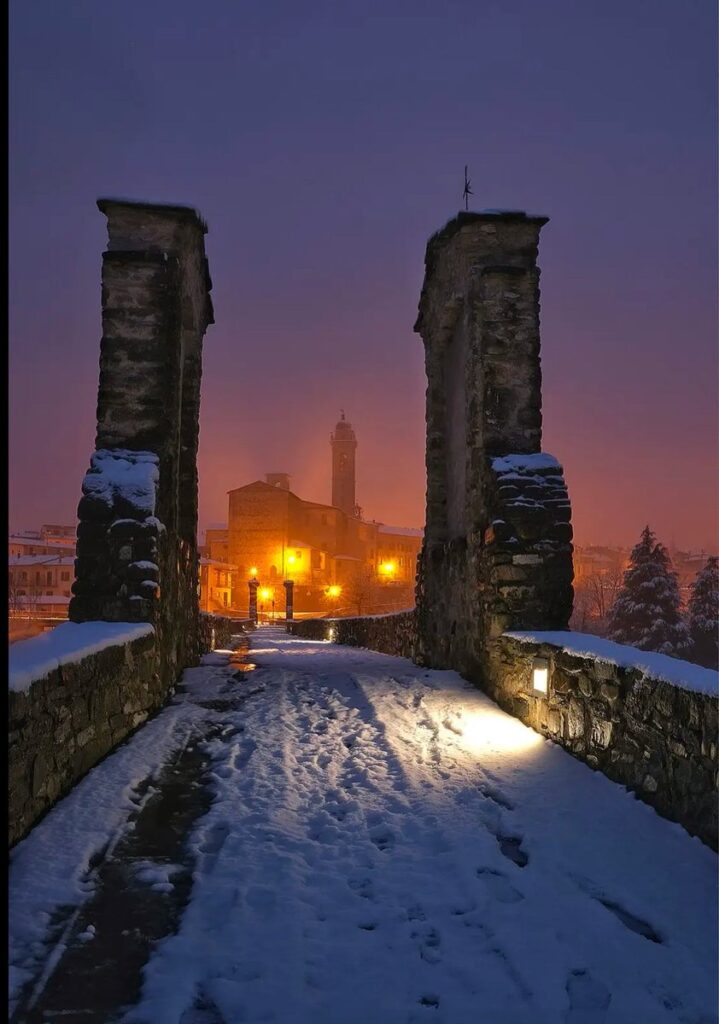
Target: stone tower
344	445
497	551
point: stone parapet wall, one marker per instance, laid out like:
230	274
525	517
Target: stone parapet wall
217	630
394	634
67	721
654	737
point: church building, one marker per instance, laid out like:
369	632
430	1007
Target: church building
340	563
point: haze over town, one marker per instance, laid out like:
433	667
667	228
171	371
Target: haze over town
321	176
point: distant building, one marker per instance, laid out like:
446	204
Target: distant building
49	540
216	585
338	561
39	585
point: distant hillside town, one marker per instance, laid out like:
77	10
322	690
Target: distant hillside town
340	563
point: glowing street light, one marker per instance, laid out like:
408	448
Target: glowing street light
387	568
334	591
253	572
265	594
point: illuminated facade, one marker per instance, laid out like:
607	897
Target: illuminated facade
329	552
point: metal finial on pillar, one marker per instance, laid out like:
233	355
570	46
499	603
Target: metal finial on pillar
467	189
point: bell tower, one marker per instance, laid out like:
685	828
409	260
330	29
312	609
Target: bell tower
344	445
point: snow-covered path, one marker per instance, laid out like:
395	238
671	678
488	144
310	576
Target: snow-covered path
386	845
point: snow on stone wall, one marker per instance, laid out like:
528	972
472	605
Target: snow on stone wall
66	644
120	476
645	720
76	693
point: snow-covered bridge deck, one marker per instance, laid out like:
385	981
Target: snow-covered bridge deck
384	845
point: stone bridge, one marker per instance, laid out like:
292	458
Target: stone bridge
327	834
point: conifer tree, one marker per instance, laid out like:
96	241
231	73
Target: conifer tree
704	616
647	613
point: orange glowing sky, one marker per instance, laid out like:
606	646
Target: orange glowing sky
324	148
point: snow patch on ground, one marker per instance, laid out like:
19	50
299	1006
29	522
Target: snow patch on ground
68	643
659	666
385	844
51	868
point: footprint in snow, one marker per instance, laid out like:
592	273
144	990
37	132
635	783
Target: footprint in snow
511	847
630	921
428	940
213	840
244	753
453	727
589	999
416	913
382	837
499	887
362	887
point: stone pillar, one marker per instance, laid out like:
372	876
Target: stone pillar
137	548
497	550
289	586
253	584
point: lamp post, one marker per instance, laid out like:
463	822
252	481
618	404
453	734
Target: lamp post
253	584
289	586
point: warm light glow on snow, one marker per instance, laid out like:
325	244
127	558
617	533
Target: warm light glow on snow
488	730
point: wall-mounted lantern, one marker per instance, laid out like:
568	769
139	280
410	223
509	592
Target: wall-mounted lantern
540	676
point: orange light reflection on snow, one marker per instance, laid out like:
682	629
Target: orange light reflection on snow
487	730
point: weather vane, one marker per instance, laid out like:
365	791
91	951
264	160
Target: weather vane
467	189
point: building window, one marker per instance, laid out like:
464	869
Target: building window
65	576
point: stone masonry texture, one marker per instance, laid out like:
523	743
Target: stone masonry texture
656	738
136	558
136	563
69	720
390	634
497	550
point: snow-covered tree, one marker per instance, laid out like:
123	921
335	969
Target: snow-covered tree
646	613
704	615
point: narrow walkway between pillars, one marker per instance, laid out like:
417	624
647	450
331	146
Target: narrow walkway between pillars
340	837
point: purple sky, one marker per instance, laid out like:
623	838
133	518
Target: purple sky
324	142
